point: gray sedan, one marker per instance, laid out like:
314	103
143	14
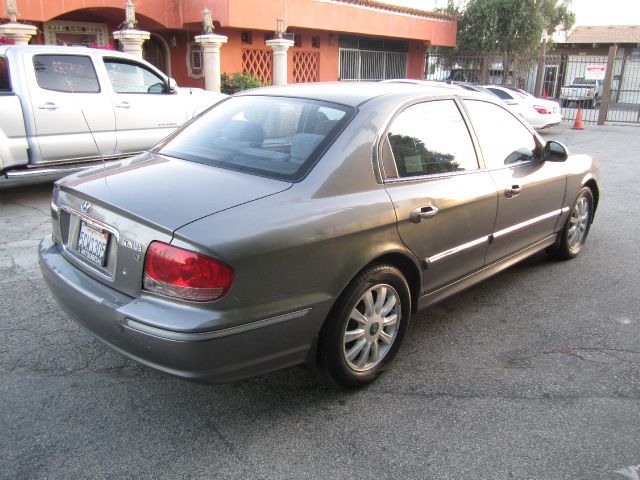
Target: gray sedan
305	224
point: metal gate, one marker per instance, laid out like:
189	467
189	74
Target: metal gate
548	75
624	99
364	65
371	59
623	105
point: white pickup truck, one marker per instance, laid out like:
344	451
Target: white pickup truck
65	108
586	93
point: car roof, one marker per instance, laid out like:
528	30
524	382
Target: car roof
354	93
424	83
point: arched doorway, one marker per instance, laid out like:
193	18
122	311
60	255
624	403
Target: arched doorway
156	52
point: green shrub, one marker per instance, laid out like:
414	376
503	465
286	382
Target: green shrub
237	81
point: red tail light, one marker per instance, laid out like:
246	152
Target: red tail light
179	273
542	110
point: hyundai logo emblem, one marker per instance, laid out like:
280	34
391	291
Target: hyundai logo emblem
86	207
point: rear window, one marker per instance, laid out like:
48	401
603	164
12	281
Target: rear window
501	93
276	137
583	81
5	83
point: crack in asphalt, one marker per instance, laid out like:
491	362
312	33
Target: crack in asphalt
581	353
30	207
537	396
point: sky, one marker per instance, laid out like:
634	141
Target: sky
588	12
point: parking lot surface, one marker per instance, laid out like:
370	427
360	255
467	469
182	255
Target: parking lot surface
533	374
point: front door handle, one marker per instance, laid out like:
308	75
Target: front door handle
423	213
123	105
512	191
48	106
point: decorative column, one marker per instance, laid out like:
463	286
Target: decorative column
280	45
16	33
131	38
211	44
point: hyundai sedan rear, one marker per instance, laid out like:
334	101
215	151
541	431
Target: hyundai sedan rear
304	225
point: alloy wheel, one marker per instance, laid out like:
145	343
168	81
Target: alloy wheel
372	327
578	223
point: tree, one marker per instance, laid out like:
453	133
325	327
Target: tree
514	26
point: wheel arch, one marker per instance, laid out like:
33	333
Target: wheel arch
407	265
593	186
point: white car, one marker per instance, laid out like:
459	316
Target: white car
539	112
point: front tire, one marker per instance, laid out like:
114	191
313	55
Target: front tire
576	228
365	328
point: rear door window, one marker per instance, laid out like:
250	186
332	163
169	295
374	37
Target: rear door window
429	138
66	73
5	82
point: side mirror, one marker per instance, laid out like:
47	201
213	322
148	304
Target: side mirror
555	152
172	85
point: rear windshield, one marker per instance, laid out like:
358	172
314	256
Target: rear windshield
5	84
276	137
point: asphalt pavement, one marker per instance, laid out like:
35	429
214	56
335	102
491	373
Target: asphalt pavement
533	374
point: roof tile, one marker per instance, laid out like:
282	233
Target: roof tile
605	34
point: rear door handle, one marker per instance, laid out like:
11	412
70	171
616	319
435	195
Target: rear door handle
423	213
48	106
512	191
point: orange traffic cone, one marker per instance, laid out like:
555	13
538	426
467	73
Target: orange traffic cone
577	124
544	93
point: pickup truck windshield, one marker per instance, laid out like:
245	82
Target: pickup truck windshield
276	137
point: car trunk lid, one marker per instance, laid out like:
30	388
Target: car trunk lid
107	217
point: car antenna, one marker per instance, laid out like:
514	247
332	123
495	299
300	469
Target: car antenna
93	137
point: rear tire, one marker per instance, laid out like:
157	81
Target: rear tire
576	228
365	328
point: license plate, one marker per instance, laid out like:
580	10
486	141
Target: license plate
92	244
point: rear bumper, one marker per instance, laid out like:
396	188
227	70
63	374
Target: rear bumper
575	98
257	346
549	125
545	121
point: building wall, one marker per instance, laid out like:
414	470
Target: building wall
261	15
415	60
177	22
328	16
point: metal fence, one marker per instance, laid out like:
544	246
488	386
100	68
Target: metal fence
624	98
508	69
371	65
618	93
